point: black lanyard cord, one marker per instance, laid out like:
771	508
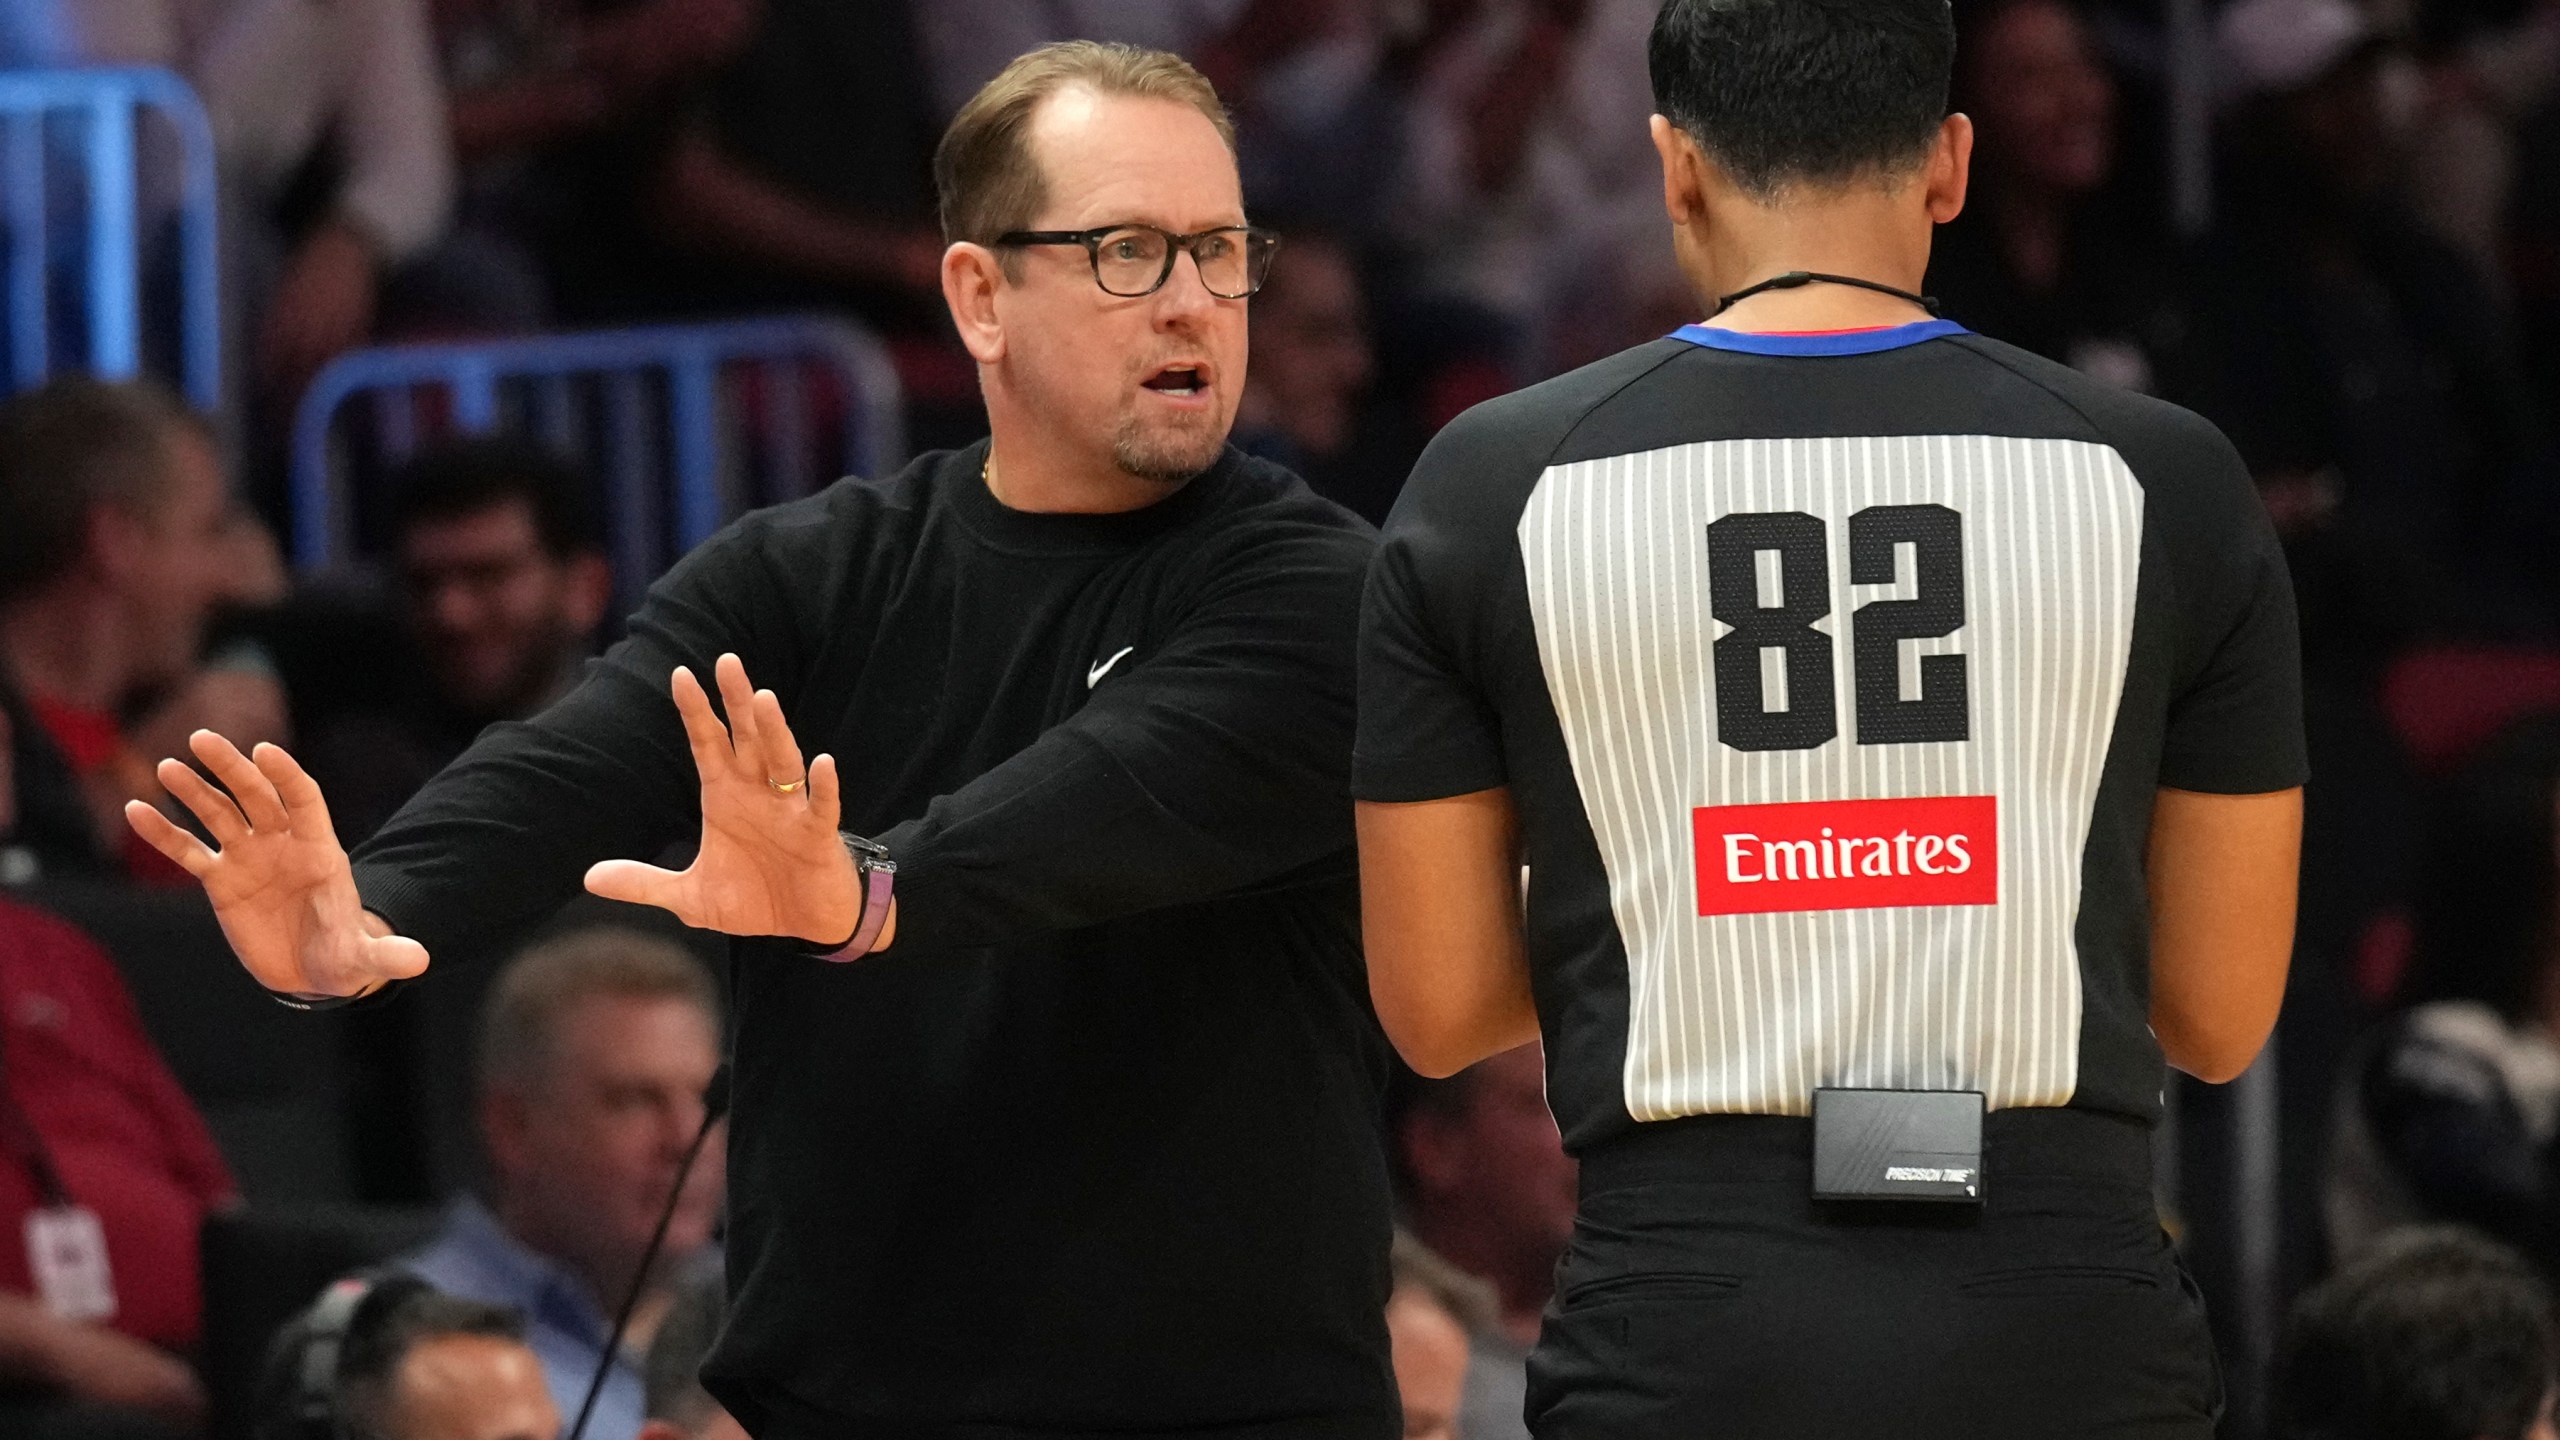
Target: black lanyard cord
715	1104
1797	279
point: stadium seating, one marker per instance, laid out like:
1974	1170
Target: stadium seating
270	1082
689	425
262	1266
78	235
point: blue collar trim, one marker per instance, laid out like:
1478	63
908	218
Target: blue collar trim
1852	342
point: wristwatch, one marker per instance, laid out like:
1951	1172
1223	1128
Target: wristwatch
876	875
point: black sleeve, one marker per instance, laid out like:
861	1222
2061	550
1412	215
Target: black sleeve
1215	764
505	835
2235	719
1428	727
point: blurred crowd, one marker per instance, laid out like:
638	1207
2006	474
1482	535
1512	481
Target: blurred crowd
2369	305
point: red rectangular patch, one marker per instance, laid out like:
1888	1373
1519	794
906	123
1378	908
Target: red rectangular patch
1848	855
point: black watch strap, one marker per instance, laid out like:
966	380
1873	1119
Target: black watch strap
292	1001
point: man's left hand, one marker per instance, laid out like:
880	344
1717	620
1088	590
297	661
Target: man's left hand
771	862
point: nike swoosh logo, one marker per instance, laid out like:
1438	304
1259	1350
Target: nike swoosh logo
1094	676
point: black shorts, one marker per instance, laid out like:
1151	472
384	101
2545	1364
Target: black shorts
1707	1294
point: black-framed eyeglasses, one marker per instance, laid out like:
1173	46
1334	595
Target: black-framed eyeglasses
1134	260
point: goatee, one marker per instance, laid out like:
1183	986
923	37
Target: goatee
1165	457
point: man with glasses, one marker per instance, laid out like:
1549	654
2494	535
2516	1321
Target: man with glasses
503	582
1087	1141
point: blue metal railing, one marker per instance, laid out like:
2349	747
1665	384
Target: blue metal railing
645	406
104	102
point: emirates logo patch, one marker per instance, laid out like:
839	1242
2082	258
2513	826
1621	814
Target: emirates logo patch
1848	855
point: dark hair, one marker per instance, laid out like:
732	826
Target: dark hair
2439	1334
67	447
1783	92
329	1371
378	1343
2489	881
470	477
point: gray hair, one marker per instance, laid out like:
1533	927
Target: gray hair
519	1028
68	447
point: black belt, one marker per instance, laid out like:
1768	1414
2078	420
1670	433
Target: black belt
2071	1144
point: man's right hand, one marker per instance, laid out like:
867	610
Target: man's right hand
280	884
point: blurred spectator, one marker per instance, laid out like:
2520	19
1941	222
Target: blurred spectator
93	1124
1489	1188
2438	1335
2335	335
2455	1113
965	42
503	583
2037	259
2488	64
760	186
594	1053
1431	1311
1332	99
730	182
1308	401
528	74
2533	223
329	124
679	1408
1532	190
543	89
1320	120
114	540
235	690
757	202
412	1363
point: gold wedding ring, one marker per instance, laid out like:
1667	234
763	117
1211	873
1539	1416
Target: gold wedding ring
793	788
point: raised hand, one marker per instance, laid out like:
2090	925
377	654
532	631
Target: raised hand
280	884
770	862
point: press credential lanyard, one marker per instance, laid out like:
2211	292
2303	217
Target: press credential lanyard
66	1246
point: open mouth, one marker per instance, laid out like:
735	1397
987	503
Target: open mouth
1181	382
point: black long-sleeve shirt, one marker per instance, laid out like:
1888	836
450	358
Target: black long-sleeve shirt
1094	1146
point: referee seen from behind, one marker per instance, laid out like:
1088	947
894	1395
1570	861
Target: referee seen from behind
1902	734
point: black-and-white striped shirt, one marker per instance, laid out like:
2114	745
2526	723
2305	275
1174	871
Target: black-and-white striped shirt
1833	677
